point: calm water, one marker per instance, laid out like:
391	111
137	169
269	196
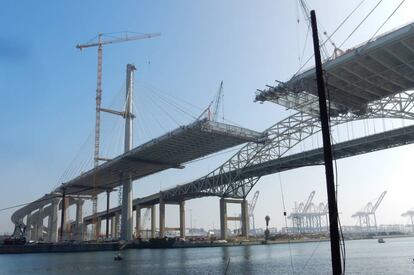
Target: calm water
363	257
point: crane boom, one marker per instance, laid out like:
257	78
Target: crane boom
376	205
125	38
217	102
308	202
252	205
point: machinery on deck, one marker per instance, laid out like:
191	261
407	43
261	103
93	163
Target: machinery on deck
18	236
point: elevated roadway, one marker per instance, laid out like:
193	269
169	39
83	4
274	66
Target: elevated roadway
197	188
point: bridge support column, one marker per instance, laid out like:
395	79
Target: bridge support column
223	219
40	224
117	216
29	227
162	217
53	221
245	218
138	221
79	220
98	227
113	227
127	221
182	219
153	221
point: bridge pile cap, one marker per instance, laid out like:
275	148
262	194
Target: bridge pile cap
171	150
374	70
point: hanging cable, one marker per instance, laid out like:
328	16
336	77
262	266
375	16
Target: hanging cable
286	223
359	25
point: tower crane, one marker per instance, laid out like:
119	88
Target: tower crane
99	44
364	215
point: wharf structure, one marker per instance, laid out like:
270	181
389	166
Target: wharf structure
372	81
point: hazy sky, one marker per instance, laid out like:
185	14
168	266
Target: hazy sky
48	93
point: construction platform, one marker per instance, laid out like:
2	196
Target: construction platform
377	69
171	150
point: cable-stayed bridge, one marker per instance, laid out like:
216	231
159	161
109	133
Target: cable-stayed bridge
372	81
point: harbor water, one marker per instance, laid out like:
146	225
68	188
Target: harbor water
395	256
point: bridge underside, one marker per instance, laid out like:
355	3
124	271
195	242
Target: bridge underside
372	143
171	150
377	69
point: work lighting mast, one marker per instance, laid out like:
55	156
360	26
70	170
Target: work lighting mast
101	42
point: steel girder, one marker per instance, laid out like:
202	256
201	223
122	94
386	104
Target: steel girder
226	180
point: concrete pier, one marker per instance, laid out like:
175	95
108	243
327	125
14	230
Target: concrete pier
223	219
117	220
40	224
79	220
162	217
53	221
113	227
138	221
127	221
153	221
29	226
182	219
244	217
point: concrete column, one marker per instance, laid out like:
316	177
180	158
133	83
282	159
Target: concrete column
113	227
162	217
223	218
153	221
182	219
245	218
28	226
98	227
117	216
127	221
40	224
53	222
79	220
138	221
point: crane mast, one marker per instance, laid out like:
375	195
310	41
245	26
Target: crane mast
97	157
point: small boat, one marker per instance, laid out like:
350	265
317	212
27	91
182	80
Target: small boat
381	240
118	257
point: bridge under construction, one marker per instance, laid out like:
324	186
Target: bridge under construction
372	81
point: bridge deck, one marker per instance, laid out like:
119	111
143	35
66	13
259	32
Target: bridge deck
171	150
379	68
376	142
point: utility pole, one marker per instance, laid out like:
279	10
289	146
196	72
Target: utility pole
327	149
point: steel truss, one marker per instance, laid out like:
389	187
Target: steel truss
227	180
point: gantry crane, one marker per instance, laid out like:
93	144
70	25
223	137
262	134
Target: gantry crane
299	215
101	42
364	215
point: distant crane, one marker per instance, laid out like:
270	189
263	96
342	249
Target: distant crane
299	215
410	215
364	215
99	44
217	101
213	109
252	206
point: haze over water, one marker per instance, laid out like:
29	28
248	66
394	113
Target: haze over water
363	257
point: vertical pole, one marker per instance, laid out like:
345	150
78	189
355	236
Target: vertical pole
108	193
29	226
153	220
138	221
162	217
127	221
62	216
223	218
327	148
182	219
